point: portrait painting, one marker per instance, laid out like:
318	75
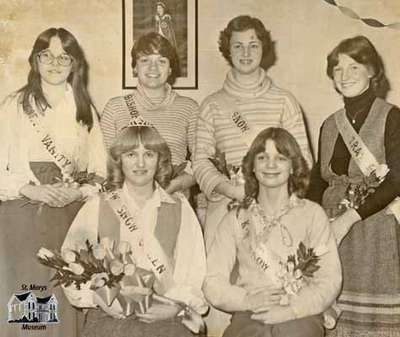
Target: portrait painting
176	20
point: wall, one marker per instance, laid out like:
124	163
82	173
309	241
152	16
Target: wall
304	30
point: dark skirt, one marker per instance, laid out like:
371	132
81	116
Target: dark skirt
370	257
99	324
25	228
243	326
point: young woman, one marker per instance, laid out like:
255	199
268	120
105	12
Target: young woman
261	236
155	63
49	132
230	119
357	142
139	168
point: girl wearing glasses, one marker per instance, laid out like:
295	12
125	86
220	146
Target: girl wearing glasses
49	132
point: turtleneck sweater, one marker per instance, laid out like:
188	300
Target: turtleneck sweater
261	104
174	116
357	109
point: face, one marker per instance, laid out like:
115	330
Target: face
140	166
160	10
153	70
54	63
350	77
271	168
246	51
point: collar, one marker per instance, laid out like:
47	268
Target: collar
259	87
159	196
144	100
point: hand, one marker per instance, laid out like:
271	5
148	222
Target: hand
263	298
114	310
238	192
159	312
343	223
275	315
52	195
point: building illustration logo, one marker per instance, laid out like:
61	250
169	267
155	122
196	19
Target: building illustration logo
28	308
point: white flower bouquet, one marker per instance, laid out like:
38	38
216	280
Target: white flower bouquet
106	268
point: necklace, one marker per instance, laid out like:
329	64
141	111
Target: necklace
353	119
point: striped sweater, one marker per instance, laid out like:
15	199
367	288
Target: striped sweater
263	105
174	118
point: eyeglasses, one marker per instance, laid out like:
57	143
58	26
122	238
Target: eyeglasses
46	57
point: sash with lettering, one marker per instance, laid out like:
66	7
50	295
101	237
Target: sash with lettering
361	155
148	246
65	164
131	105
246	132
266	260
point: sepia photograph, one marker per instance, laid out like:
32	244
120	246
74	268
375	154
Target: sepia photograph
177	22
184	168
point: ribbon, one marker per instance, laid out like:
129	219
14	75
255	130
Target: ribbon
368	21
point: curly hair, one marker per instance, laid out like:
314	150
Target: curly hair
286	145
78	78
361	50
240	24
130	138
154	43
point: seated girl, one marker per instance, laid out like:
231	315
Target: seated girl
288	266
166	231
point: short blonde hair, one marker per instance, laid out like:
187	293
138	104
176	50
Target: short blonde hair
129	139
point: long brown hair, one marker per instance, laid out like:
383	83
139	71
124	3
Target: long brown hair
286	145
78	78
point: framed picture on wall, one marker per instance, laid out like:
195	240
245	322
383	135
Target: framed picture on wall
176	20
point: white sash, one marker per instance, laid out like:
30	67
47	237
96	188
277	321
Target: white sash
245	130
361	155
65	164
148	246
265	259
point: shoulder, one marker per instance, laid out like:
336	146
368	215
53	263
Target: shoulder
190	102
14	98
283	94
213	100
115	101
312	209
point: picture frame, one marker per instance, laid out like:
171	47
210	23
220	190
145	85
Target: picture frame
174	19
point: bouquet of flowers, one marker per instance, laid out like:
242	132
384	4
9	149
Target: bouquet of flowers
298	270
110	270
356	194
106	268
233	172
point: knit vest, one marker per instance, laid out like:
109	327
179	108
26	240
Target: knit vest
166	230
372	133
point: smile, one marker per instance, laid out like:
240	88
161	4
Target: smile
347	85
271	174
246	61
139	172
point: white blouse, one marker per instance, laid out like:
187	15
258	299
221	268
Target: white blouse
20	144
190	262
